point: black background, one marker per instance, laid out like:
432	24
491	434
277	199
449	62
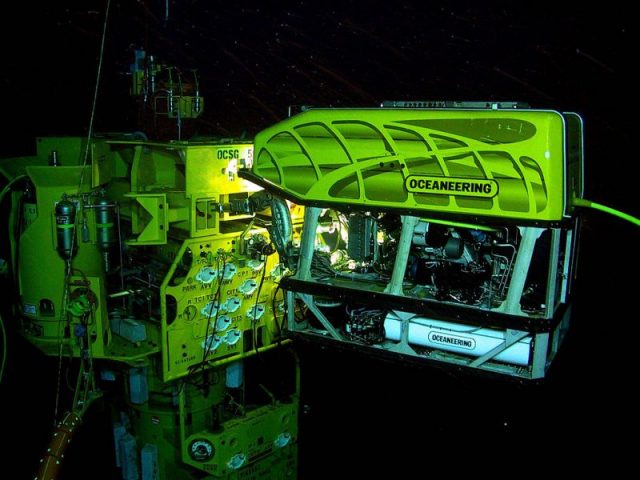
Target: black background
367	417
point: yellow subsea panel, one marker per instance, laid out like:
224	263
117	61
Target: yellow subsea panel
218	302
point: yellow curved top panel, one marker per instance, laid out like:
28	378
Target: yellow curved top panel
495	163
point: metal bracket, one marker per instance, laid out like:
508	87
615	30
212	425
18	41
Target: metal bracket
510	337
311	305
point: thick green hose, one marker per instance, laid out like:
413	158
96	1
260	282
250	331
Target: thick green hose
581	202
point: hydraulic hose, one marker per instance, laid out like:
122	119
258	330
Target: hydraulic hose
581	202
52	461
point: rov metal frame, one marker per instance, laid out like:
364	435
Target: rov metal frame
345	160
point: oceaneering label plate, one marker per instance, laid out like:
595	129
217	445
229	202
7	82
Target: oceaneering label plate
470	187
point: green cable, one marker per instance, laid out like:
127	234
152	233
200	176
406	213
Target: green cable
8	186
581	202
3	331
5	173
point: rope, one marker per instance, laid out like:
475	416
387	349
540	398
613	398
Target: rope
69	268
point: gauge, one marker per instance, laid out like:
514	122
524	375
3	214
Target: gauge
201	450
190	313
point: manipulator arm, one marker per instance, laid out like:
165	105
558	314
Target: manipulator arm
280	229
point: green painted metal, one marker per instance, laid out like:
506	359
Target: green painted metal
490	163
266	435
157	422
451	223
43	300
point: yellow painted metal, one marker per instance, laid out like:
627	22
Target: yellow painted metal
174	184
41	298
188	319
368	158
70	150
169	197
215	168
149	220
